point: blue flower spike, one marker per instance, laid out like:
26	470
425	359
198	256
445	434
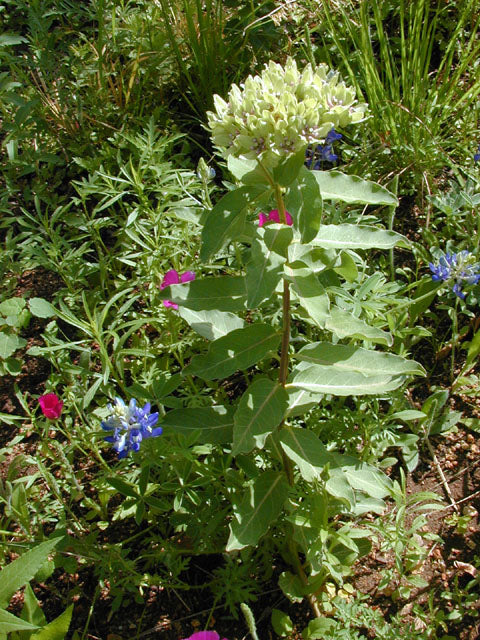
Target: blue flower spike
322	152
459	269
130	425
476	157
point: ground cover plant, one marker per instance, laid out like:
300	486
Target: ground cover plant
238	327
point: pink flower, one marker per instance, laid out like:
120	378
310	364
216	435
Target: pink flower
273	216
173	277
205	635
51	406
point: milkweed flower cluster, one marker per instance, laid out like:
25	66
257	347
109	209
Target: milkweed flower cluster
281	111
459	268
130	425
322	152
273	216
173	277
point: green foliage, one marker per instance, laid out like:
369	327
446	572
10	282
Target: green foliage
31	625
275	460
413	64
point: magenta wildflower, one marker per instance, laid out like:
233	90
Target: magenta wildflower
273	216
173	277
204	635
51	406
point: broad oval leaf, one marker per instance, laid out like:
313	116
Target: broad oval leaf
225	293
261	505
226	220
9	343
345	325
211	324
12	306
304	202
351	358
239	349
365	478
41	308
246	171
215	424
265	269
300	401
319	378
335	185
307	451
353	236
260	411
311	294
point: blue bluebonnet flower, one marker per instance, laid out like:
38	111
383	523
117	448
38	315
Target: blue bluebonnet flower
476	157
322	152
130	425
459	268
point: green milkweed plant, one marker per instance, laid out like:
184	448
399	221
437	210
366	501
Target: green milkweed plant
284	484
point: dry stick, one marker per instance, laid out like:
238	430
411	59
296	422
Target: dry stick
442	475
472	495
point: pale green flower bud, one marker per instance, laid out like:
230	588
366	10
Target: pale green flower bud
282	111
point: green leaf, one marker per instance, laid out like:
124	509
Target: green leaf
41	308
353	236
23	569
473	350
215	424
10	39
13	366
350	358
311	294
307	451
211	324
345	325
300	401
315	258
265	269
408	414
281	622
347	267
123	487
9	623
291	586
423	297
9	343
226	293
57	629
260	410
352	189
287	171
304	202
338	486
239	349
227	219
319	378
31	611
363	477
261	505
246	171
318	628
12	306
